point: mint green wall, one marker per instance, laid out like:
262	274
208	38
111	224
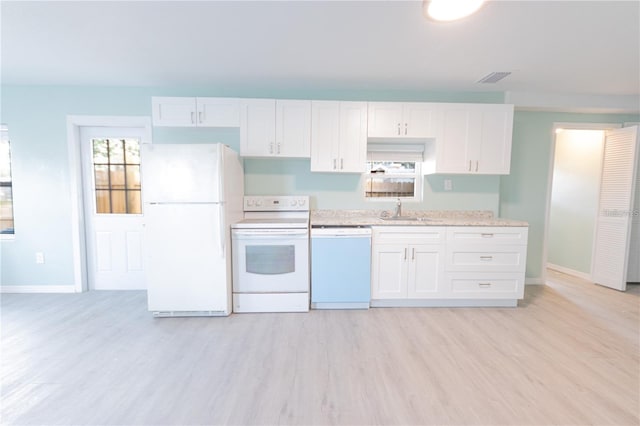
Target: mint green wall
36	118
343	191
523	193
577	168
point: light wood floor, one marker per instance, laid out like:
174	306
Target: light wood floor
568	355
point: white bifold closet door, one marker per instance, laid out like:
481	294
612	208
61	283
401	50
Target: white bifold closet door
615	210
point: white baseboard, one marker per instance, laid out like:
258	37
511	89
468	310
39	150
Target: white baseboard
534	281
37	289
569	271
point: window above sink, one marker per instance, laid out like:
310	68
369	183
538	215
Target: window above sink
393	174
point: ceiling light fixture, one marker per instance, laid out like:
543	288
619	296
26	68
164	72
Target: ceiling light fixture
450	10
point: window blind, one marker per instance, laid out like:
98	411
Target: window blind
407	152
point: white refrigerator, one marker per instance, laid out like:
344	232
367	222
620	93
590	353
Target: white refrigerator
191	194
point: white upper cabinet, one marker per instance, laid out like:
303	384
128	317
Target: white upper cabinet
257	127
275	128
474	139
195	112
338	136
218	112
293	128
402	120
180	112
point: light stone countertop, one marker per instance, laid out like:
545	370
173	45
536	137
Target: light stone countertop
320	218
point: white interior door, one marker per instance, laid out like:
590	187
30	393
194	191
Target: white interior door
113	207
613	227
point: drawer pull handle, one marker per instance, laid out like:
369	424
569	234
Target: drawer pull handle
486	258
483	235
484	285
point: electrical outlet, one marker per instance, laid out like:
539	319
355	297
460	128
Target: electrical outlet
39	257
448	185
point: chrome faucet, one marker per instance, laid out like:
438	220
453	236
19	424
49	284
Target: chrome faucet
398	212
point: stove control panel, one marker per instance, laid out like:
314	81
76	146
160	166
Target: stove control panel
271	203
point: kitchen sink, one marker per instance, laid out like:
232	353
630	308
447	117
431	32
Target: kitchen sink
411	218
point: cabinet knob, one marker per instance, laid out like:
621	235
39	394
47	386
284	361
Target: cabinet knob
406	127
398	129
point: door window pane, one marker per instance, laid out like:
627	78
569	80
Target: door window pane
118	201
133	177
133	202
116	168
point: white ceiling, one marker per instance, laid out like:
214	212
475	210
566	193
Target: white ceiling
567	47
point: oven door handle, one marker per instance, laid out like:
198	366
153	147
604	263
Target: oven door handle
273	233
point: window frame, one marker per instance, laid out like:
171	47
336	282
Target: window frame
4	138
417	176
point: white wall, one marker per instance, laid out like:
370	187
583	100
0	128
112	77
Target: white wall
574	198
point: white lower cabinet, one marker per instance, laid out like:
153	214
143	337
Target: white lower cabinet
486	262
448	266
407	263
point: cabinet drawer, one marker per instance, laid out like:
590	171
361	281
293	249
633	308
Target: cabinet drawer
409	234
488	234
485	285
481	258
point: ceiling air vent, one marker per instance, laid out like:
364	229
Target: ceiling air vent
494	77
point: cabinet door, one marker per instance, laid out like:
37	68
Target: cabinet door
325	135
458	139
426	272
257	127
293	128
494	154
389	271
218	112
176	112
352	156
384	119
419	120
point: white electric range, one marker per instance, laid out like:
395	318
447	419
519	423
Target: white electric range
271	255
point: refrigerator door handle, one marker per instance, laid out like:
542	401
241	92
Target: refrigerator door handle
223	233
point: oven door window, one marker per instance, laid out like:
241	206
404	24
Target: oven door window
270	259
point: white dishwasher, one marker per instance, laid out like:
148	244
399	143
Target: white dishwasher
340	267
